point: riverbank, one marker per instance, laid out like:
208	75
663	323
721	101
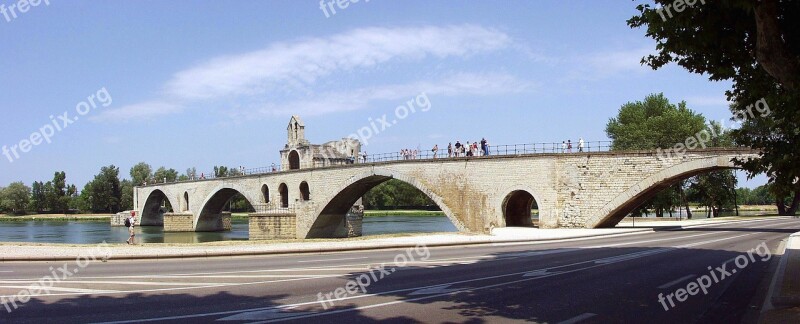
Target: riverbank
56	217
121	251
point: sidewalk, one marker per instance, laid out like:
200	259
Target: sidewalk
63	252
783	304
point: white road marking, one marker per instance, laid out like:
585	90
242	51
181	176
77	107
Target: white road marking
188	288
271	314
434	290
579	318
170	318
676	281
326	260
73	290
130	283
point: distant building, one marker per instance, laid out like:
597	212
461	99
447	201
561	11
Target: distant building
299	153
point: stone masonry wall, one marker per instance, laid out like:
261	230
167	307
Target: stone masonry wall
572	190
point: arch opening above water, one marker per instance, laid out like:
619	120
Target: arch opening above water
223	201
331	218
156	205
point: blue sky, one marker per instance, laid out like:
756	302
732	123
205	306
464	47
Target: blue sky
202	83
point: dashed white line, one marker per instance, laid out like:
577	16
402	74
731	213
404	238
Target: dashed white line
326	260
676	281
579	318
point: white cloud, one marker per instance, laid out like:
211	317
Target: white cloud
143	110
267	73
460	84
308	60
602	65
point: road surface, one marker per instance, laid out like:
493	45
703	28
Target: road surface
600	280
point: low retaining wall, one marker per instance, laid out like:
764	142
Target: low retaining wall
273	226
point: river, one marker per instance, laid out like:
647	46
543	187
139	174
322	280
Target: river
93	232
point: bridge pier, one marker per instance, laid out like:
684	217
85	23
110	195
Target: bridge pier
178	222
277	225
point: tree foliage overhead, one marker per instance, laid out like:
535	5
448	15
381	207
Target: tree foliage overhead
756	45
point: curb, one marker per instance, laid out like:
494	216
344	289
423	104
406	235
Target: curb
313	250
781	298
365	247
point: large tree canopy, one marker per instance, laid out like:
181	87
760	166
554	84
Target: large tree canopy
756	45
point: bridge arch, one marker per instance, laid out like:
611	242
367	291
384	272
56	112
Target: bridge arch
155	206
613	212
332	212
283	192
213	205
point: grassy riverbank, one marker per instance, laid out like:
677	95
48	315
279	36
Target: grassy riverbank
56	217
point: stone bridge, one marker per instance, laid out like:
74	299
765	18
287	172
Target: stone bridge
572	190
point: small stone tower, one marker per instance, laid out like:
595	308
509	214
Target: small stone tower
299	153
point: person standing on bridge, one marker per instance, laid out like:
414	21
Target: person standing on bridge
581	144
132	222
435	151
450	149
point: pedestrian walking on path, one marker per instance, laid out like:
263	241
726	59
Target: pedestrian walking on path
131	223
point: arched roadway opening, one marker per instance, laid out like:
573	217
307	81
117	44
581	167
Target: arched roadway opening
331	219
517	209
639	194
156	205
215	215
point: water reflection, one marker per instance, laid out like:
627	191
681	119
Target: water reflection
93	232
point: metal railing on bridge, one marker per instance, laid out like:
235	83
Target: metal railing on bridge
429	154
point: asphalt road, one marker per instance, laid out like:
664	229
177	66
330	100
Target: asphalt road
603	280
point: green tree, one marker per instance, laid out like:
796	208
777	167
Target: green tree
126	189
59	201
141	173
16	197
105	190
396	193
220	171
655	123
38	197
162	174
756	45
